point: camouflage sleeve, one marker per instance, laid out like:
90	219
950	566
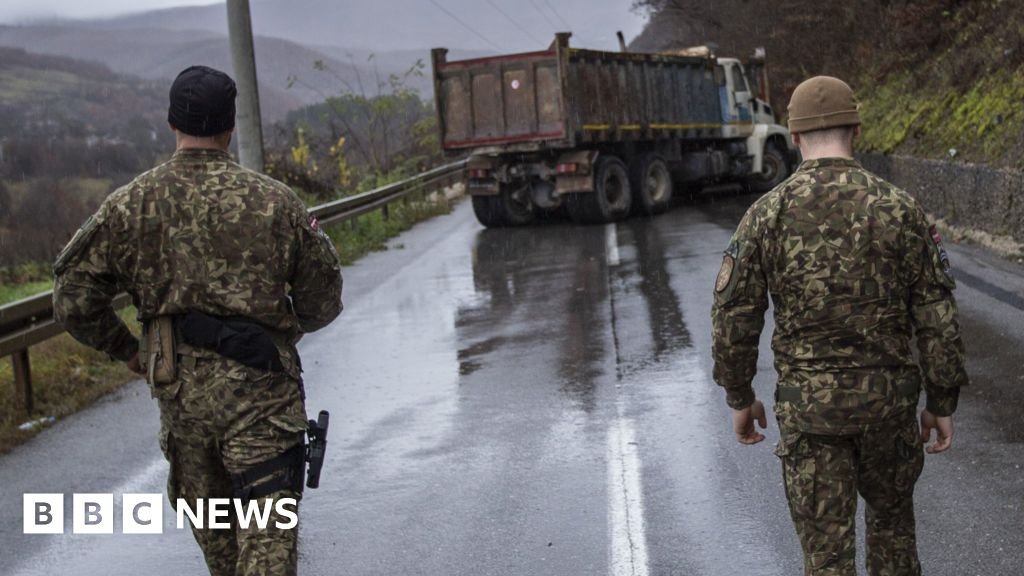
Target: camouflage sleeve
316	281
84	286
933	312
737	316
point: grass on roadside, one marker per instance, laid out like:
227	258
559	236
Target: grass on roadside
370	232
67	376
10	294
24	280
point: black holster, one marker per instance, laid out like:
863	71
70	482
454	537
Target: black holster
282	472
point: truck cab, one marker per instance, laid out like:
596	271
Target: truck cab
751	117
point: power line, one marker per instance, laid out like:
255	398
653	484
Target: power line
514	23
464	25
544	15
557	15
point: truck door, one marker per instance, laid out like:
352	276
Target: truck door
737	113
741	94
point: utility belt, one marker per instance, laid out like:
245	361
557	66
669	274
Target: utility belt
171	337
795	393
244	341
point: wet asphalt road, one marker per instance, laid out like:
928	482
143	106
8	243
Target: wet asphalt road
538	402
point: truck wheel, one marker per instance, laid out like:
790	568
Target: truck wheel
509	207
651	182
488	211
610	200
774	169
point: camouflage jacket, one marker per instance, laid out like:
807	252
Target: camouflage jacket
198	232
854	272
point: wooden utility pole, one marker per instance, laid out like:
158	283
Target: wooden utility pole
248	123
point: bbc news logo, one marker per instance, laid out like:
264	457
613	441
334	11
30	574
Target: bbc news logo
144	513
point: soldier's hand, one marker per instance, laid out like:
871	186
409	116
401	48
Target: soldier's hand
135	365
743	423
943	426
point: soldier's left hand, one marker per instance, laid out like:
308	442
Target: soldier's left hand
943	426
743	423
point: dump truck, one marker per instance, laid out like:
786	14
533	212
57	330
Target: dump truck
601	135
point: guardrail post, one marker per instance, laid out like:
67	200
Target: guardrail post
385	212
23	379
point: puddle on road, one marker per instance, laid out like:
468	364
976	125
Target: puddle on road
469	357
558	287
646	275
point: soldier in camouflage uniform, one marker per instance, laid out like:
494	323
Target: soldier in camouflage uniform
854	271
199	234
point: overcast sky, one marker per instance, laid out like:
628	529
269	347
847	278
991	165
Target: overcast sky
16	10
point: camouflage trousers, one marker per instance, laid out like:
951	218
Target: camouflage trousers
823	475
220	418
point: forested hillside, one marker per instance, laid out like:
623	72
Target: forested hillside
936	78
70	131
354	142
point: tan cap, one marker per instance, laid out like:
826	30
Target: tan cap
822	102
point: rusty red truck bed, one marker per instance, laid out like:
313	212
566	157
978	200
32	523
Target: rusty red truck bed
561	97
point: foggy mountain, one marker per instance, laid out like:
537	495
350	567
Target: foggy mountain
160	54
384	26
360	43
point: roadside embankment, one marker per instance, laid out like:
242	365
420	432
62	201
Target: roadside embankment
970	202
67	376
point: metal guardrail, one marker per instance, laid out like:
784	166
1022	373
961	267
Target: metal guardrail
30	321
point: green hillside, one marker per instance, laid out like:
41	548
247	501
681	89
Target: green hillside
288	79
962	98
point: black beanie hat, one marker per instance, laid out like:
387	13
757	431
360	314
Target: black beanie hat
202	102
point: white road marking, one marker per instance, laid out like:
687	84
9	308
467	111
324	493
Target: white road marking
627	537
611	242
68	544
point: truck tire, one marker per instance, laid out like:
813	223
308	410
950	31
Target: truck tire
610	200
774	169
651	183
509	207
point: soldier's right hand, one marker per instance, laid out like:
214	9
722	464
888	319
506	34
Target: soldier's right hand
943	426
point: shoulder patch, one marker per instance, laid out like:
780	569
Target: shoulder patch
725	273
943	257
77	245
733	249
